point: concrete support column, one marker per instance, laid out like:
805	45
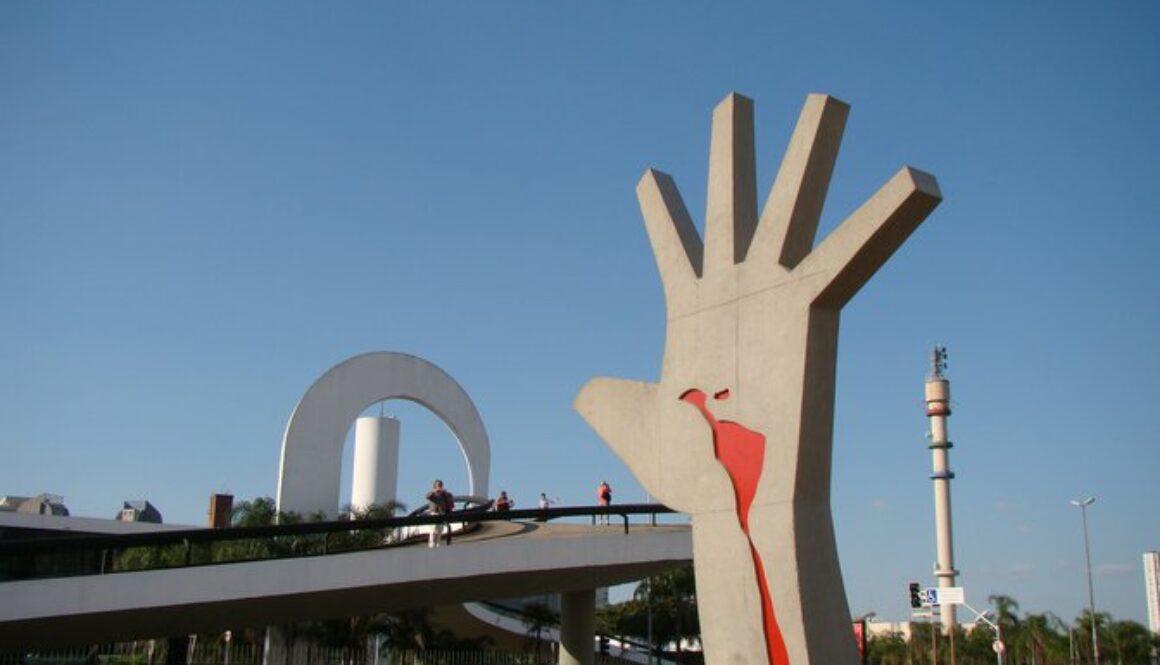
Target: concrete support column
376	461
577	627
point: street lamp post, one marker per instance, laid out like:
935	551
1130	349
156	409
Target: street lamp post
1083	504
997	645
648	611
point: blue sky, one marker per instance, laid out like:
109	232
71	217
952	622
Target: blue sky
204	206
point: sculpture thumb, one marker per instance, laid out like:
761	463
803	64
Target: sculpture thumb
624	414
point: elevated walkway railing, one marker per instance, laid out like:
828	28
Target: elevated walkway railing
103	554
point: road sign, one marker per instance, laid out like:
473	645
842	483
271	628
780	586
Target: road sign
935	596
928	613
930	596
951	595
998	646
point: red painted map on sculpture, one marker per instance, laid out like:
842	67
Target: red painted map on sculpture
742	452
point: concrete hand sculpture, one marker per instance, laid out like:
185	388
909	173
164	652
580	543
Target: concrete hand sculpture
738	430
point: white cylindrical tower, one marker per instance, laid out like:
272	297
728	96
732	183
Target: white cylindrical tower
376	461
938	409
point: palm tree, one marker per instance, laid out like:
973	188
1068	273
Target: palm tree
1006	608
1131	642
975	647
258	512
374	511
1042	638
1083	632
261	511
538	617
410	629
364	538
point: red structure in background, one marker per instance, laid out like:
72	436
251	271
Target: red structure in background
860	639
221	508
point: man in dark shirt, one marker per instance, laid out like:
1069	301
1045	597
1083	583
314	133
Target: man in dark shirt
439	502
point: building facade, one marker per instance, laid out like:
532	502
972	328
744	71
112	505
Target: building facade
1152	589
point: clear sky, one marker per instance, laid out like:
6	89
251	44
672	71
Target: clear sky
204	206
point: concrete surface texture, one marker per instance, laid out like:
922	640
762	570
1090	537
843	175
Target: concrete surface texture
738	431
311	464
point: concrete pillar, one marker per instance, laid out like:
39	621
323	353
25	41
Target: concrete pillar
376	461
577	627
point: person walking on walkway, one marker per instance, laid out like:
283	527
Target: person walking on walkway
439	502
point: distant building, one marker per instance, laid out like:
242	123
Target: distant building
42	504
904	629
139	511
886	628
1152	589
9	504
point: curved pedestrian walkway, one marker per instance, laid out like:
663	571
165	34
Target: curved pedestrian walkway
500	559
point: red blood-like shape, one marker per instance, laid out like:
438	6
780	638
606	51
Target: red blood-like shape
742	452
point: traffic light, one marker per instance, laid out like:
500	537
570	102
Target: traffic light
915	595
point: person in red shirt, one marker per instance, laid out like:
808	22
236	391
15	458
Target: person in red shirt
503	502
604	498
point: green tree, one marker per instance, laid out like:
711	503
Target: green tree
921	637
1006	610
363	538
974	647
622	620
258	512
410	629
1043	639
673	599
1083	634
538	617
145	558
888	649
1131	642
349	633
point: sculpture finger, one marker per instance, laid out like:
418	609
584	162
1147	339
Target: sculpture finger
789	220
731	203
675	242
854	251
624	414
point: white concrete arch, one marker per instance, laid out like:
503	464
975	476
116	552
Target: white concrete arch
310	470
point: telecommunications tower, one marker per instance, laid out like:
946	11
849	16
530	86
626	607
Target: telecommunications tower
938	409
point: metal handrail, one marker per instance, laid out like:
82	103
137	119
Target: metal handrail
102	545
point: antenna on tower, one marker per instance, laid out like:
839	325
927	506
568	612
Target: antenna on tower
938	361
